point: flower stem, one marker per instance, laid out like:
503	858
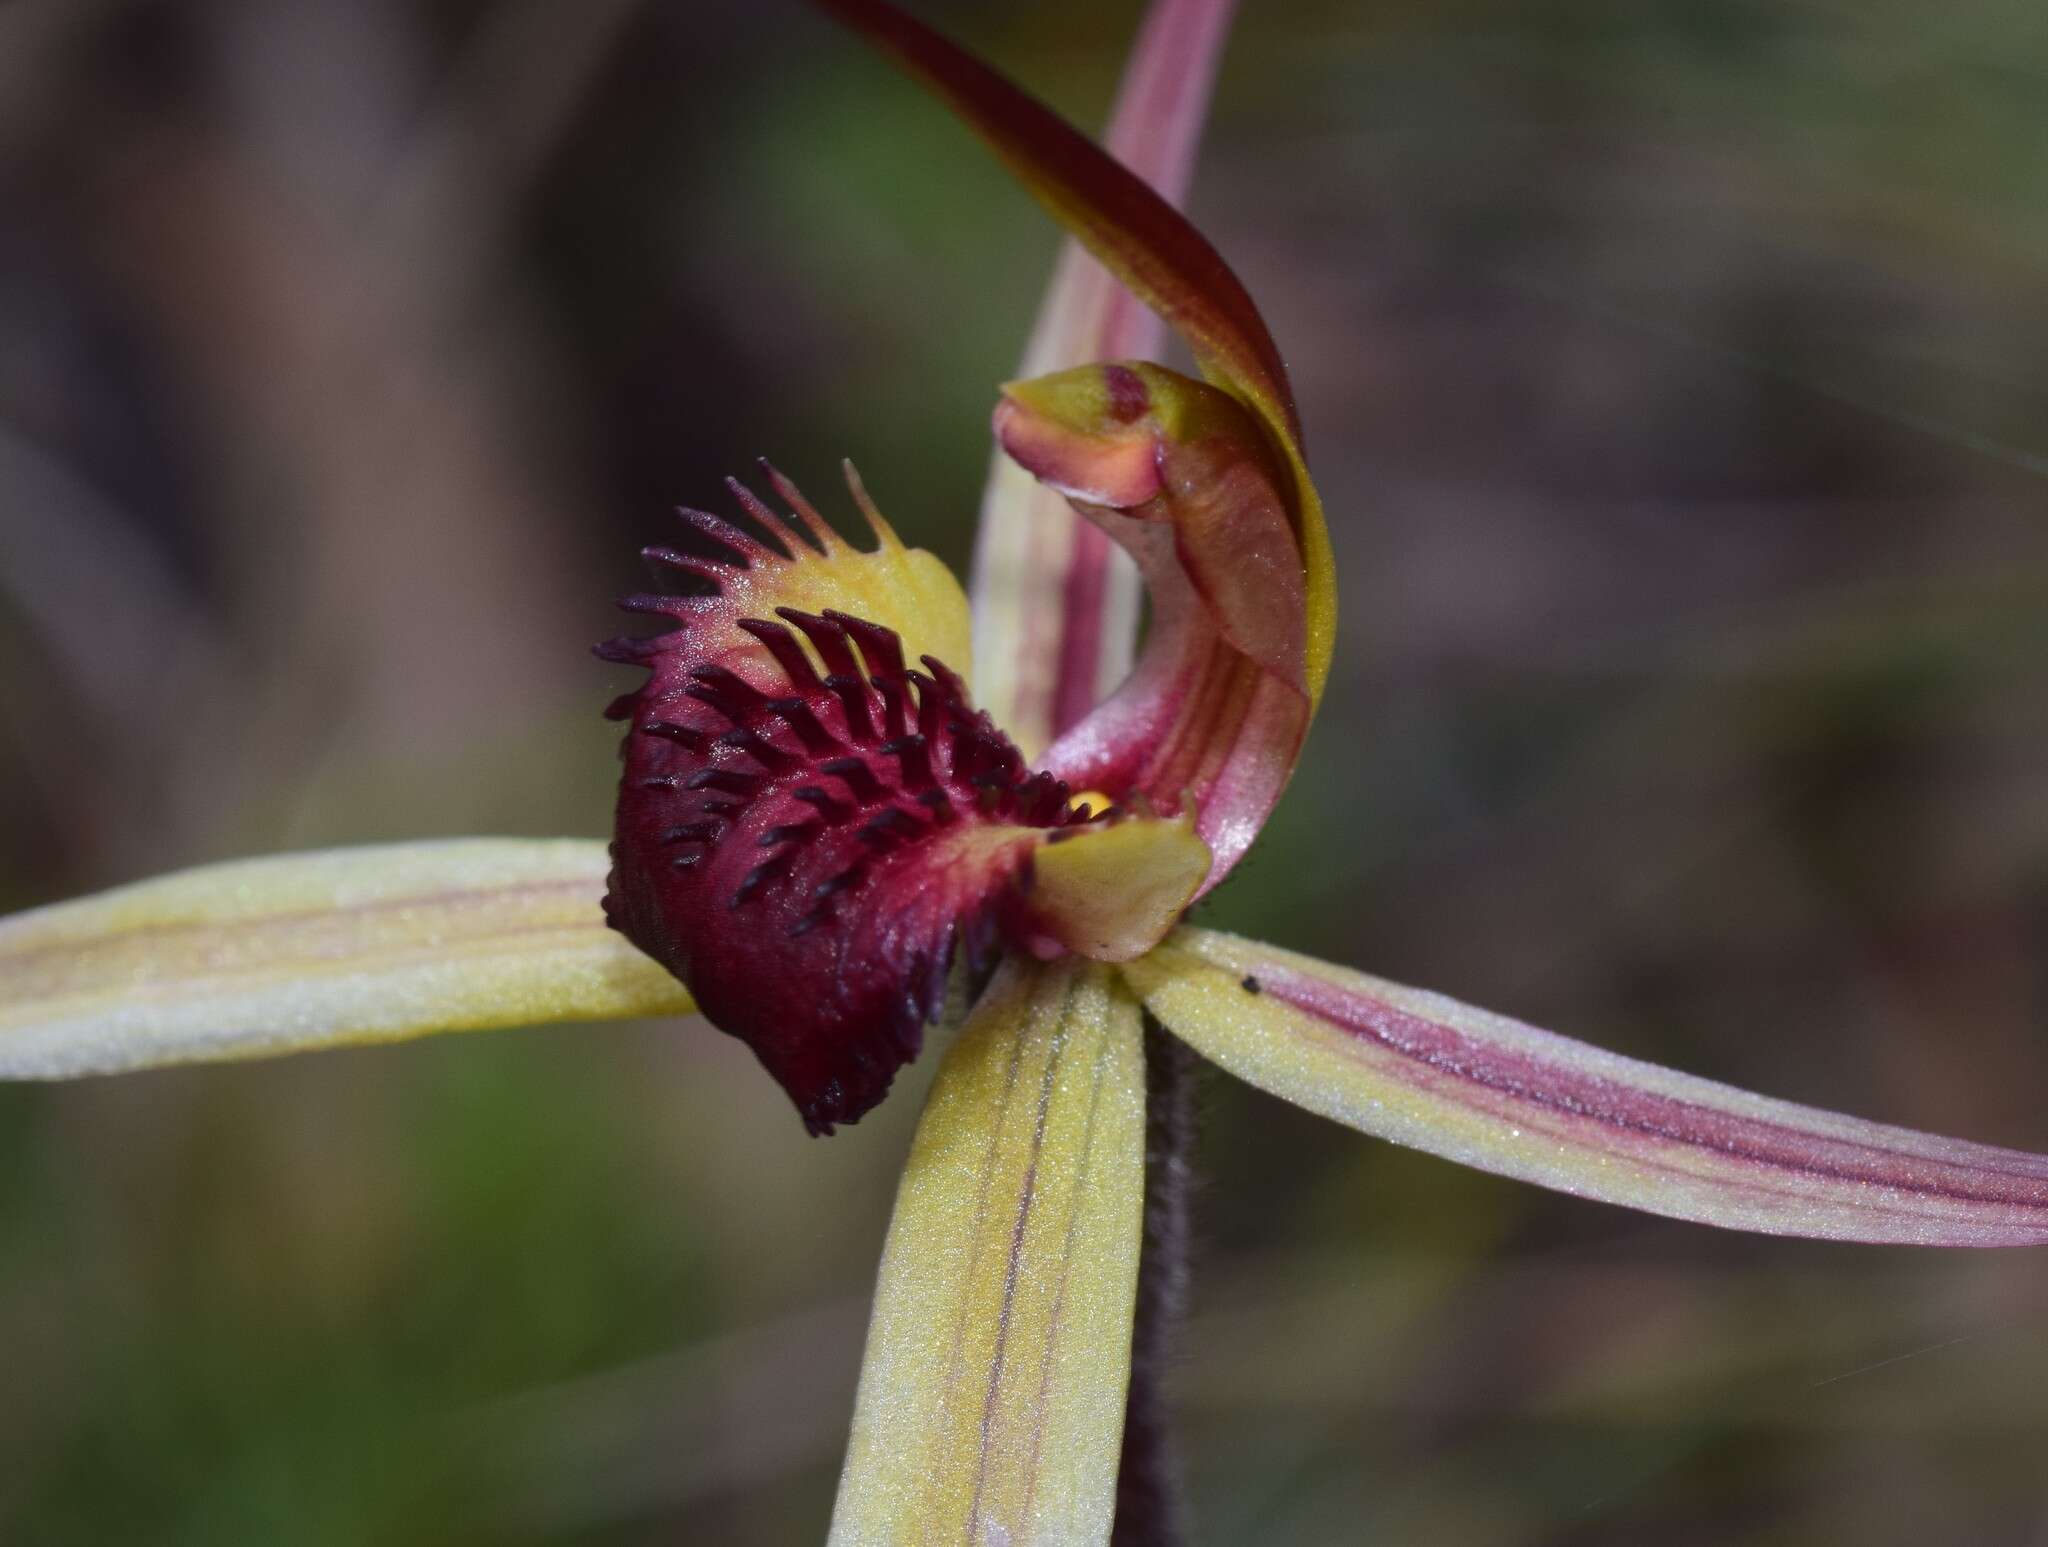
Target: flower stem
1149	1512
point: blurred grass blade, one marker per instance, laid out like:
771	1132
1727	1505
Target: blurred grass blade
1055	602
1141	239
992	1396
318	950
1490	1092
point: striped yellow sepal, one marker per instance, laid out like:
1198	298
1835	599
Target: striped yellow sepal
992	1397
316	950
1493	1093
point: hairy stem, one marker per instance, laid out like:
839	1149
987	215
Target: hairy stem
1148	1503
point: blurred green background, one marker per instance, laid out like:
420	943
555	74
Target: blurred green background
1675	374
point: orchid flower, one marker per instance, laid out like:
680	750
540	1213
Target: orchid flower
823	845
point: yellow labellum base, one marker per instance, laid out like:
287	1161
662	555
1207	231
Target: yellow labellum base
1111	893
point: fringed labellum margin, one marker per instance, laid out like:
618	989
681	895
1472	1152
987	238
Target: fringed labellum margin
809	827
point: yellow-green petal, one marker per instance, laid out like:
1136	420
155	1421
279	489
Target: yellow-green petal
991	1402
299	951
1493	1093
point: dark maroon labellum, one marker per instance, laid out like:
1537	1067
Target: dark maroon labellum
807	830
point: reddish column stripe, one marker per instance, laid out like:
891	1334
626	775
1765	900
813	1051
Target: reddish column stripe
1084	596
